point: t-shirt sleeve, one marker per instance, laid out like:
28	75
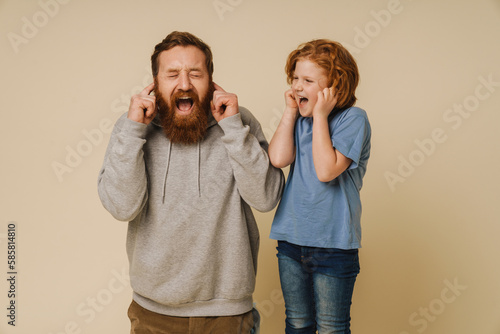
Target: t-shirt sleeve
349	135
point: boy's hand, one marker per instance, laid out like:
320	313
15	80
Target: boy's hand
290	99
327	99
291	106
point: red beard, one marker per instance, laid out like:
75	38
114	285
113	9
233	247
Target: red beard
184	129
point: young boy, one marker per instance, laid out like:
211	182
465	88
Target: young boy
326	140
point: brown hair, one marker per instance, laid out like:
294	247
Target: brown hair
177	38
340	67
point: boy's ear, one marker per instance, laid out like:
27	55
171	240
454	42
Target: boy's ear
335	83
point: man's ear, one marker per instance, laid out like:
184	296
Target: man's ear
211	90
155	81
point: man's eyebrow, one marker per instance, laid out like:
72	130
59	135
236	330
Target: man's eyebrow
191	69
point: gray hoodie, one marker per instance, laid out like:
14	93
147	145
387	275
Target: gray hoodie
192	239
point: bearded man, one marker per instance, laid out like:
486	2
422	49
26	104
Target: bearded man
184	167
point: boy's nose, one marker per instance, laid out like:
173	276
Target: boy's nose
297	86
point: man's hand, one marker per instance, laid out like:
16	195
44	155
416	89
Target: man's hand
143	106
223	104
327	99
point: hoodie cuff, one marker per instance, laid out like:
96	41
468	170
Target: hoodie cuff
231	123
134	129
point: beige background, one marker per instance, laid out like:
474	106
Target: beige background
431	211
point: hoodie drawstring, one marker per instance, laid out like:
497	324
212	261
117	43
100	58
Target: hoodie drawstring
168	164
199	171
166	172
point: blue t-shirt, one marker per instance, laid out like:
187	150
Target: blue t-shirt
325	214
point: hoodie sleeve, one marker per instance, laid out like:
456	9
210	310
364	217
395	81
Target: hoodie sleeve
122	181
259	183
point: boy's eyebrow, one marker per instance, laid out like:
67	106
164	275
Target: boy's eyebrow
305	77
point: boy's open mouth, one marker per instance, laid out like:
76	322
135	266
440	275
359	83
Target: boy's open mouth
184	103
302	101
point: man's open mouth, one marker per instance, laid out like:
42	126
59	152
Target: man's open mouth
184	103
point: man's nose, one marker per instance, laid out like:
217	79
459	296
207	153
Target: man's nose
184	81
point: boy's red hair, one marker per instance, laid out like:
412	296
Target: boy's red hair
340	67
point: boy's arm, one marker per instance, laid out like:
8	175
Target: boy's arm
328	162
282	146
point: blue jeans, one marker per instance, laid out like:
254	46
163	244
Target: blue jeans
317	285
